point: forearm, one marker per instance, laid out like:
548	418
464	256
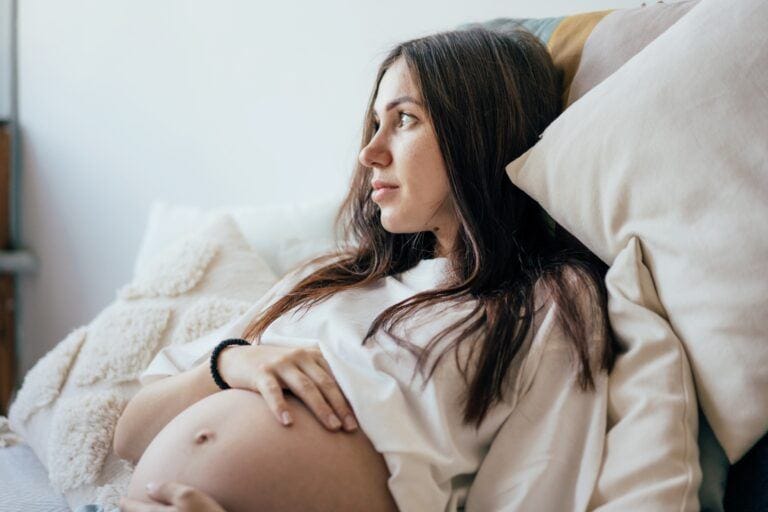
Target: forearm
155	405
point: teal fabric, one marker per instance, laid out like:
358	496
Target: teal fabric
540	27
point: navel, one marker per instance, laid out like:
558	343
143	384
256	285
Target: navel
203	436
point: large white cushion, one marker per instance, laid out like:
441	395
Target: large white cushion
283	233
69	403
671	149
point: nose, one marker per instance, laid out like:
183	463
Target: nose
375	154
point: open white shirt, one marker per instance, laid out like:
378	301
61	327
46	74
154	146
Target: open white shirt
540	449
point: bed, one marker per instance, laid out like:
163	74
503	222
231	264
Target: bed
24	482
599	54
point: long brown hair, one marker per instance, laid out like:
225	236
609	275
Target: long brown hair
489	96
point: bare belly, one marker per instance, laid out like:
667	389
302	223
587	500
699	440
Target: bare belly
231	446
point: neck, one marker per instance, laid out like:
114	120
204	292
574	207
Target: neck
441	249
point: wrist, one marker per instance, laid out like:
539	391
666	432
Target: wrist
216	363
224	364
203	376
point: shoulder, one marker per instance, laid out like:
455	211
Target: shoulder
573	299
567	337
574	289
584	296
306	268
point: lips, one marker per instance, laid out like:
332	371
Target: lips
382	190
378	184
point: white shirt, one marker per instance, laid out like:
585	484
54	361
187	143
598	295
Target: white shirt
547	439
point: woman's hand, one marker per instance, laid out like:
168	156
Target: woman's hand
267	369
172	497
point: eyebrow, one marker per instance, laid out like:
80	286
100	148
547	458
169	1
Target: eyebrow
402	99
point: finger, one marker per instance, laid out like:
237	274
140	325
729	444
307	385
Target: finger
272	392
173	493
130	505
330	389
319	359
184	498
306	389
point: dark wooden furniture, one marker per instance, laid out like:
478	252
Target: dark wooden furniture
7	331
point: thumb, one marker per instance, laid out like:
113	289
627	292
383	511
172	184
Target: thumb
167	492
183	497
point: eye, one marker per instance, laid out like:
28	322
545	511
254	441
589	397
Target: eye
404	114
401	115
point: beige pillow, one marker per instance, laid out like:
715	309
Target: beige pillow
651	456
71	399
617	38
671	149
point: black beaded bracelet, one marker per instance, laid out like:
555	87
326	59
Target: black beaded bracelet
215	357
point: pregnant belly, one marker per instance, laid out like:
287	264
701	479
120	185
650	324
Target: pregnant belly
231	446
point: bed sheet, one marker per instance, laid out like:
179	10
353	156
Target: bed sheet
24	484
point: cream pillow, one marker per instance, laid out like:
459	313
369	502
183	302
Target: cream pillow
671	149
284	234
69	403
651	456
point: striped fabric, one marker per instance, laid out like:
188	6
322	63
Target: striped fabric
588	47
563	35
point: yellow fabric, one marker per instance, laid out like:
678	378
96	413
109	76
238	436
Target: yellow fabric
567	41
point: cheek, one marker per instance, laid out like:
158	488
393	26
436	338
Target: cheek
425	195
424	186
427	177
429	186
417	203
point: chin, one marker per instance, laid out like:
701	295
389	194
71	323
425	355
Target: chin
392	225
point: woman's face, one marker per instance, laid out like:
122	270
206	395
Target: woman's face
404	153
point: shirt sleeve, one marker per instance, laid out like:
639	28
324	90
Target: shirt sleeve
547	454
175	359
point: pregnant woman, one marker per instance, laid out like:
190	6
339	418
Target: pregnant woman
375	378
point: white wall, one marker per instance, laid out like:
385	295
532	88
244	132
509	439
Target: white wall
195	102
5	59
